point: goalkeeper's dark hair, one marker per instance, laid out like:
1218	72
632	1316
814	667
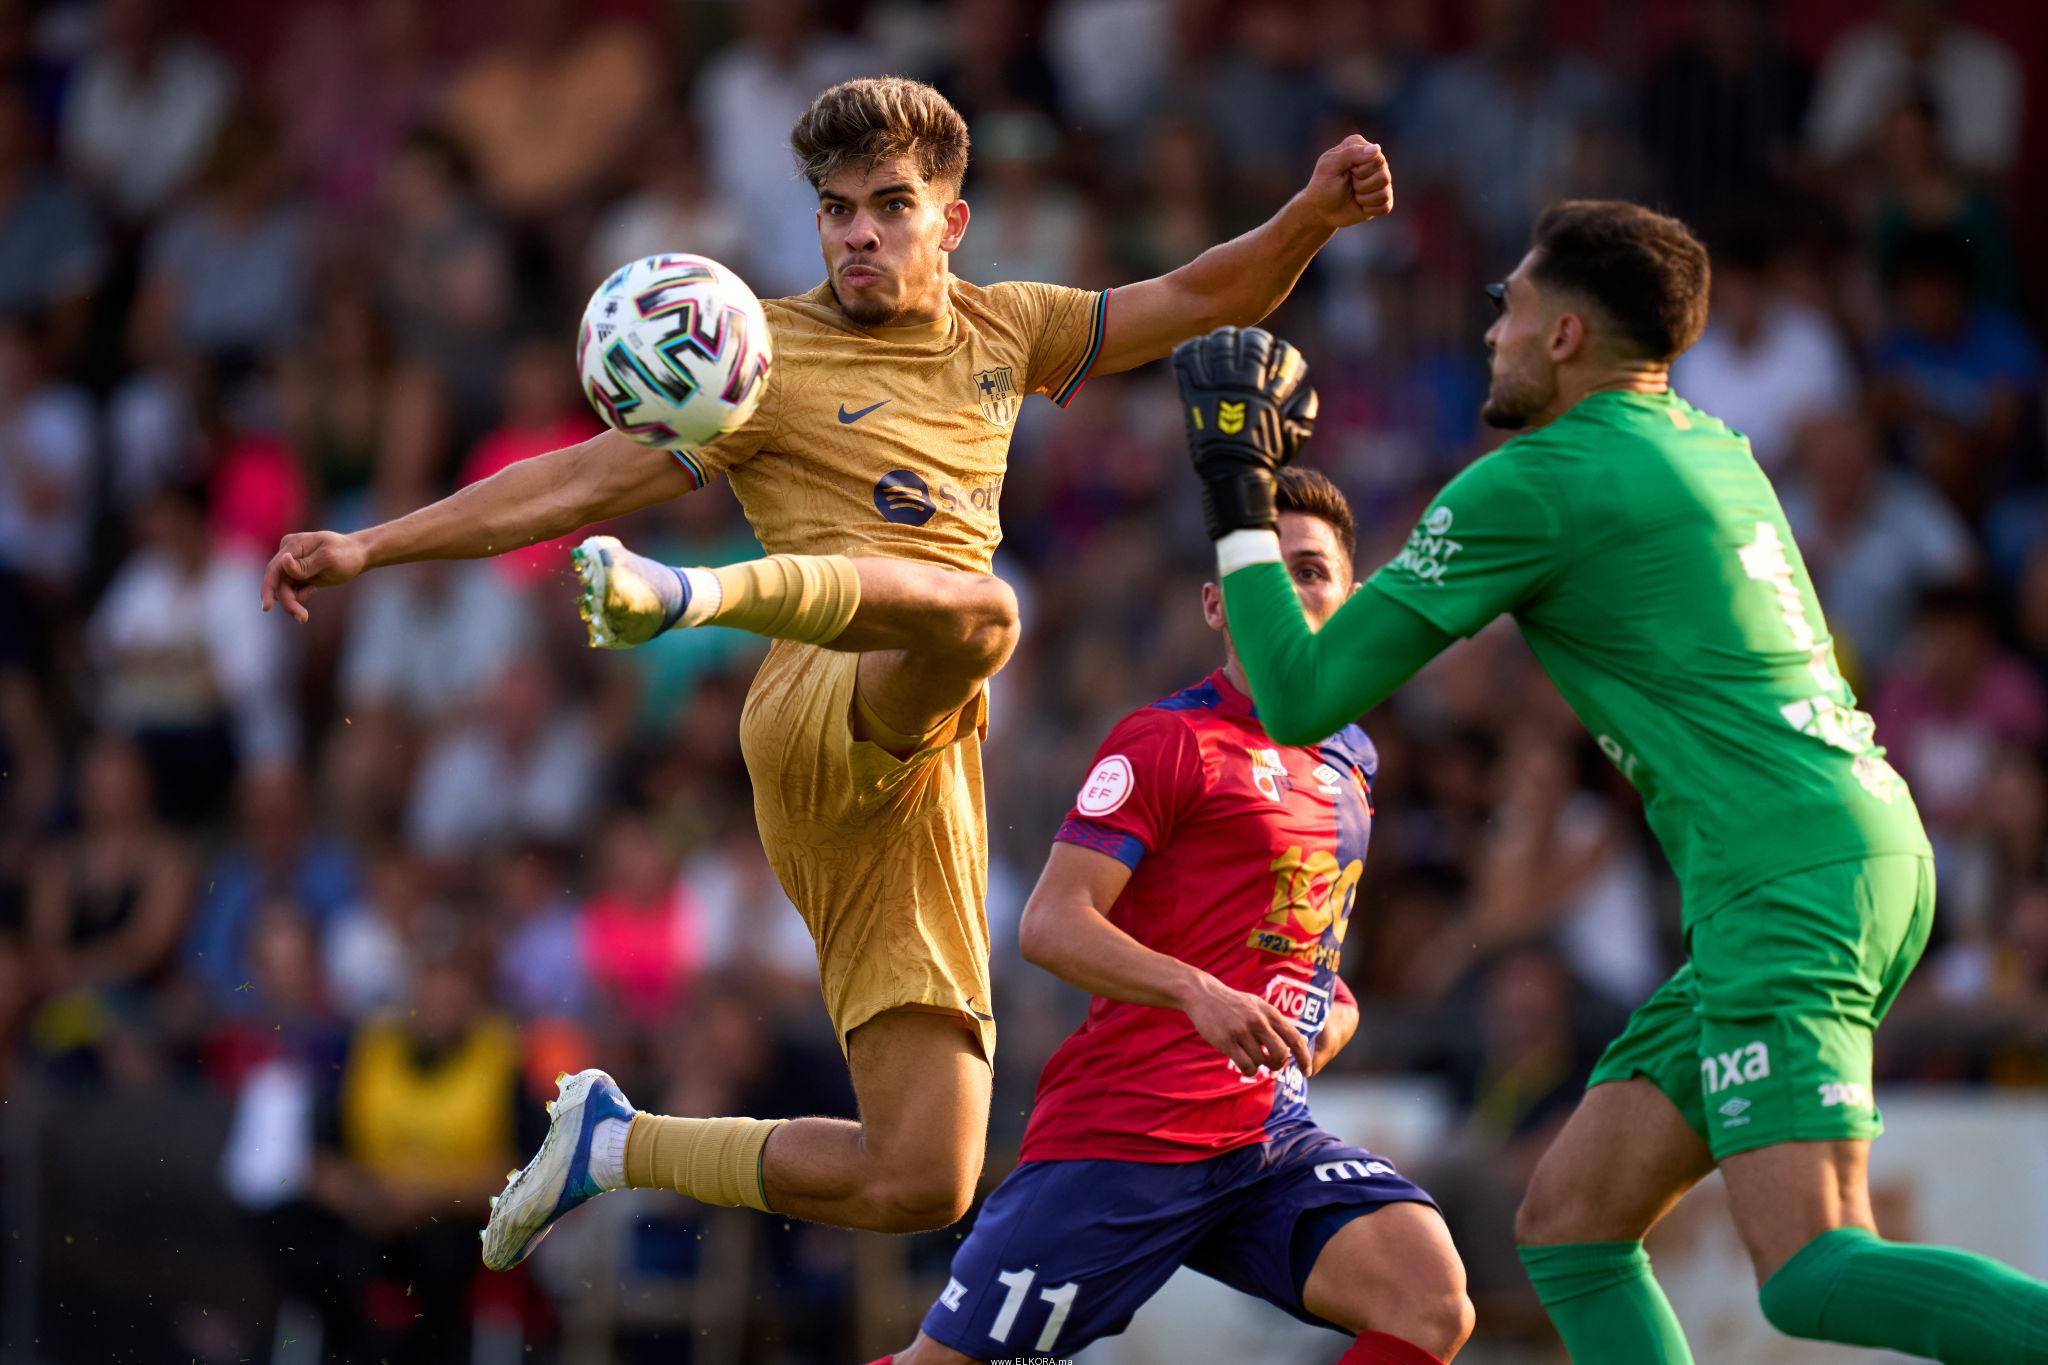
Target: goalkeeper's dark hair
858	124
1311	494
1646	272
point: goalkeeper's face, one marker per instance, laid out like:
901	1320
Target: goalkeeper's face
1524	358
885	232
1315	560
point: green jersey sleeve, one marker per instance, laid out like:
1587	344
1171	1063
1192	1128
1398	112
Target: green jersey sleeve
1488	544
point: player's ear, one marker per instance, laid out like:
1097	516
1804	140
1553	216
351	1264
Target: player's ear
1567	337
1212	606
956	225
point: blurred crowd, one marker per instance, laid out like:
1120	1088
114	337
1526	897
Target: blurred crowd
298	923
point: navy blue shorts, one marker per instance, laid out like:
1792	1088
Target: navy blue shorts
1064	1252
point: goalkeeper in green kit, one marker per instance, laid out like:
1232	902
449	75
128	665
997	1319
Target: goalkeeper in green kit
1645	556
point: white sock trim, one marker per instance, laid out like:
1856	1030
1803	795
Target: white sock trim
608	1153
1240	548
707	595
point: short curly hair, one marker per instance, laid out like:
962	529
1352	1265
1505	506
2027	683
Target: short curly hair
1646	272
864	122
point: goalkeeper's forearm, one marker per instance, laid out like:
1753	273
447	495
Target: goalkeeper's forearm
1310	684
530	501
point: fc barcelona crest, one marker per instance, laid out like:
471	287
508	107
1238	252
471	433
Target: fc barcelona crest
997	396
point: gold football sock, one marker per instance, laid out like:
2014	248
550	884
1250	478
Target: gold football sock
808	598
714	1161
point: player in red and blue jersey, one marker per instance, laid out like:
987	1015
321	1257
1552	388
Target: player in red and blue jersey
1199	890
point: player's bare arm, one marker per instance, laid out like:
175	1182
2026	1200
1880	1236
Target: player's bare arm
533	500
1338	1029
1240	281
1065	931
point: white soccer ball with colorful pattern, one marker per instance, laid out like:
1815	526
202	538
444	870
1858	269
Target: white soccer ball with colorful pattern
674	351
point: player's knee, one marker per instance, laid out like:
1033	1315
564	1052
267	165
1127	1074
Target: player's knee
991	625
922	1201
1551	1213
1438	1317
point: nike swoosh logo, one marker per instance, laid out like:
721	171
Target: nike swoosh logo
847	419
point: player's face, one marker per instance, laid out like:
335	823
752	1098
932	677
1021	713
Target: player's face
885	233
1315	561
1524	378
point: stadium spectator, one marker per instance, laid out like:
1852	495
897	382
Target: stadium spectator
1956	699
1970	76
521	766
143	109
1875	538
1027	225
349	82
1517	122
49	436
1922	189
642	934
748	97
540	967
196	680
335	395
434	641
428	1114
278	857
1953	376
226	277
550	108
667	208
1722	114
52	253
367	951
1768	360
107	905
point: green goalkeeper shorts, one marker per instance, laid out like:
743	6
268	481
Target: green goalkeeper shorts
1764	1035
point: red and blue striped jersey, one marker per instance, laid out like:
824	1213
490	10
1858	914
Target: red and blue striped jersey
1245	859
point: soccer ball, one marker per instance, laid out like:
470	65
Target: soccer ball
674	350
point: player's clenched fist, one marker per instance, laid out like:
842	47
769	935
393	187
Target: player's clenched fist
306	560
1351	183
1249	408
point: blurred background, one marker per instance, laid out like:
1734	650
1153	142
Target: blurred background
270	894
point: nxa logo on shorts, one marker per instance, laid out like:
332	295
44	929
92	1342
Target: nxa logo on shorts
1749	1062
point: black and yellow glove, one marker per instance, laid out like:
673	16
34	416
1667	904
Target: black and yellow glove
1249	409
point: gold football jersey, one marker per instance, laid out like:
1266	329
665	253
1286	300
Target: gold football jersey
893	441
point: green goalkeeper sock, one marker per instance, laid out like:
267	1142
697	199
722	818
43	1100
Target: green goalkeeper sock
1606	1304
1853	1287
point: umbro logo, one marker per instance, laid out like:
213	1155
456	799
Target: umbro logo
1734	1112
847	419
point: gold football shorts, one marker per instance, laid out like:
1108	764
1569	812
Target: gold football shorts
886	858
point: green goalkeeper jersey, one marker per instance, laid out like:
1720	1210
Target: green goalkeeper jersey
1648	562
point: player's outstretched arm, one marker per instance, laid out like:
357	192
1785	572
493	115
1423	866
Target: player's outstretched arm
1242	280
1065	931
1311	684
1249	410
533	500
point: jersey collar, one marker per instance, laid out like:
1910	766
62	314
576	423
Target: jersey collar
1231	701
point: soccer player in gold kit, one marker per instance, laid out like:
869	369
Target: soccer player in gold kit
871	474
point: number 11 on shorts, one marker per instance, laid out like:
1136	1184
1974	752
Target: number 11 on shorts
1018	1282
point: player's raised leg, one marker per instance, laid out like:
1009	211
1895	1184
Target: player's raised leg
1624	1158
912	1162
1803	1209
909	1165
1393	1277
936	634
